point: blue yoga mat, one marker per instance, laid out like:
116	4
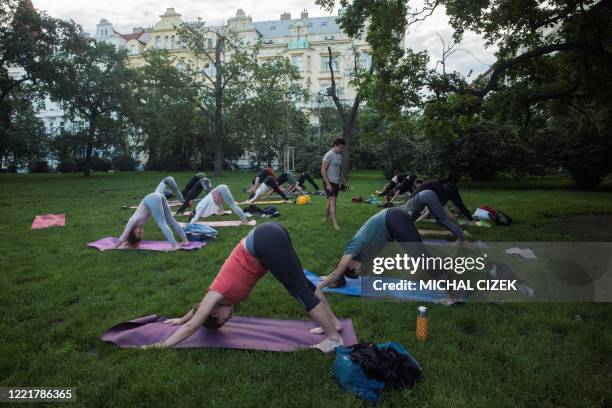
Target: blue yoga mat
353	286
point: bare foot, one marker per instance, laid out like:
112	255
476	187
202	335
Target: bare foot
329	345
336	227
319	330
324	220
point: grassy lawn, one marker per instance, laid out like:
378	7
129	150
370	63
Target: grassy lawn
58	296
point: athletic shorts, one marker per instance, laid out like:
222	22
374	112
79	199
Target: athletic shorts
333	190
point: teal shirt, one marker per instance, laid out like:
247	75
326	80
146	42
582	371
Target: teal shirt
374	231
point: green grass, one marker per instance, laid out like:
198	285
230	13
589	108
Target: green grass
58	296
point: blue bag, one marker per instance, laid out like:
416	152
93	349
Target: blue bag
351	378
365	369
199	232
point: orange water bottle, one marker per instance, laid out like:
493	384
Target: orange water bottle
422	324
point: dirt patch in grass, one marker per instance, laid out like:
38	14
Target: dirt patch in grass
588	227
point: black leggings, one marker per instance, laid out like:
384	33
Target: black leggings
402	230
388	189
272	246
306	177
194	180
271	182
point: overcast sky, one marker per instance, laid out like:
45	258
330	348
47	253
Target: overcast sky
126	14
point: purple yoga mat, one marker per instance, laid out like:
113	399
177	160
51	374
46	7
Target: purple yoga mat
249	333
109	243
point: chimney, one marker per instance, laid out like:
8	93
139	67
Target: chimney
285	16
304	14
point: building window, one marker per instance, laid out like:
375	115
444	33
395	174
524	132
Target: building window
210	70
132	49
324	23
172	42
366	60
272	28
210	44
181	42
296	61
179	67
325	63
166	42
158	42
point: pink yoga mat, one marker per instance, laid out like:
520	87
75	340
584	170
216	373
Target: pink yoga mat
190	213
109	243
235	223
49	220
251	333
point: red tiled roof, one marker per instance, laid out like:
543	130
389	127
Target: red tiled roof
132	36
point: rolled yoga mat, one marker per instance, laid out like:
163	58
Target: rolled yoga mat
233	223
49	220
268	202
109	243
249	333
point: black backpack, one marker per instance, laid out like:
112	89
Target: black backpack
388	364
502	219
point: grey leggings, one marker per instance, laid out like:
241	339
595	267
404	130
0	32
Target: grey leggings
429	199
227	196
168	184
162	214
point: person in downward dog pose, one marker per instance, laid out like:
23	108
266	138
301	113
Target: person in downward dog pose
153	205
201	184
289	178
389	225
168	188
265	189
211	204
267	247
432	197
260	177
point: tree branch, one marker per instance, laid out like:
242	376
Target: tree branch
334	96
499	68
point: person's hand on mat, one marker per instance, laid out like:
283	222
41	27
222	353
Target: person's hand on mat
331	281
245	222
184	243
174	321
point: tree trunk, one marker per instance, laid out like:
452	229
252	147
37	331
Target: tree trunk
218	118
89	148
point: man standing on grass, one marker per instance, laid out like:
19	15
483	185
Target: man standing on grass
331	170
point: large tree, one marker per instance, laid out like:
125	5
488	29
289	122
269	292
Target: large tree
97	89
228	66
33	43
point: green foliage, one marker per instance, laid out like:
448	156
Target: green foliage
24	140
97	90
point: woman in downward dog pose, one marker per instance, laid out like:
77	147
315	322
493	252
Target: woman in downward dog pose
433	196
266	189
388	225
266	248
202	184
211	204
153	205
169	188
